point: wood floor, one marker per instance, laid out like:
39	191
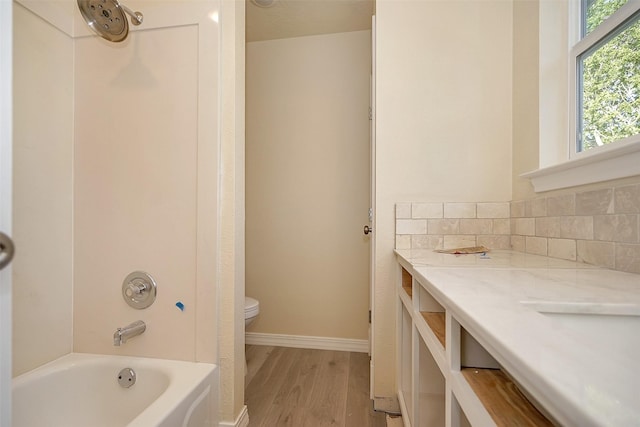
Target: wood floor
308	388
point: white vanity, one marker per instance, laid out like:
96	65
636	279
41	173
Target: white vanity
471	327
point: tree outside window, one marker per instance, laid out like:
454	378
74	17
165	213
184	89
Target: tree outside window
609	75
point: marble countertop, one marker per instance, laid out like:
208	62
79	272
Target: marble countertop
568	332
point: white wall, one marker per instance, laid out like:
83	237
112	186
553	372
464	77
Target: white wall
444	87
526	130
308	184
42	203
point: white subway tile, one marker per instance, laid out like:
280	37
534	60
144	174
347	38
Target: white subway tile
403	241
548	226
494	242
536	245
443	226
459	210
627	199
403	210
628	257
426	241
517	209
411	226
597	202
561	205
576	227
539	207
476	226
493	210
524	226
616	228
596	253
502	226
562	248
518	243
459	241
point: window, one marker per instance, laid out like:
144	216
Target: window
607	75
589	93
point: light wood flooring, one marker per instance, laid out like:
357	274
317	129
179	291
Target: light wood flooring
308	388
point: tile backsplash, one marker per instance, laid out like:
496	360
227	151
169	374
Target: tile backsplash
450	225
600	227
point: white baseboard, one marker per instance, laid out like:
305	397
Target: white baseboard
301	341
241	421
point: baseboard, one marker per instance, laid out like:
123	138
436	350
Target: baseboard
302	341
241	421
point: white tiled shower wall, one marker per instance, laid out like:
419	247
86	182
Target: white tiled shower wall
598	227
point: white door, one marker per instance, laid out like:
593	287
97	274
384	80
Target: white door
5	208
372	199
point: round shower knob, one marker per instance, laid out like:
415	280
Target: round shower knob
139	290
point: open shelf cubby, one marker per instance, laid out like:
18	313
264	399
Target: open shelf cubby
433	313
431	390
436	322
407	282
502	399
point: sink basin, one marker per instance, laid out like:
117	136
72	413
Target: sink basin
612	327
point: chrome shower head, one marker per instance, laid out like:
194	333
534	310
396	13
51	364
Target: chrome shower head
107	18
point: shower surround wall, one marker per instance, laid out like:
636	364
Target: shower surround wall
135	189
117	170
43	191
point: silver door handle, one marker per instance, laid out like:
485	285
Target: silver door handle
6	250
367	229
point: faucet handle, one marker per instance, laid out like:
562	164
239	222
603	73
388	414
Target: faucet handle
135	288
139	290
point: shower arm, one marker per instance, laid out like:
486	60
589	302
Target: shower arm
136	17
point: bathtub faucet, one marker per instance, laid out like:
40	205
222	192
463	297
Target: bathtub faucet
121	335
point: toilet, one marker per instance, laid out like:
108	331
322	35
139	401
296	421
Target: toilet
251	310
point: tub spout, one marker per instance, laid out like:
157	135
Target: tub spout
121	335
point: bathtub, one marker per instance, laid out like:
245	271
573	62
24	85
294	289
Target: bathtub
82	390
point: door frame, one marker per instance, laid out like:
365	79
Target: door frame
372	208
6	102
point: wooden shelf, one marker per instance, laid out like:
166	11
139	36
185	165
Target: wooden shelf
502	399
408	290
436	321
407	282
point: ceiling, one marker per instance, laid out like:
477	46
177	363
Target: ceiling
297	18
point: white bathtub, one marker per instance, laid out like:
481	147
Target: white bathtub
82	390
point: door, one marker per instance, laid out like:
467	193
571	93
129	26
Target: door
6	41
372	198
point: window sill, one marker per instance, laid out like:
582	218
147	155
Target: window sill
620	162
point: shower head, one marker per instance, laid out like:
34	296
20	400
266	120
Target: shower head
107	18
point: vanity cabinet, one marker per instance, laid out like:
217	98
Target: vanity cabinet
445	376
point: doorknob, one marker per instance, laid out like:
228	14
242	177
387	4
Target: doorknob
367	229
6	250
